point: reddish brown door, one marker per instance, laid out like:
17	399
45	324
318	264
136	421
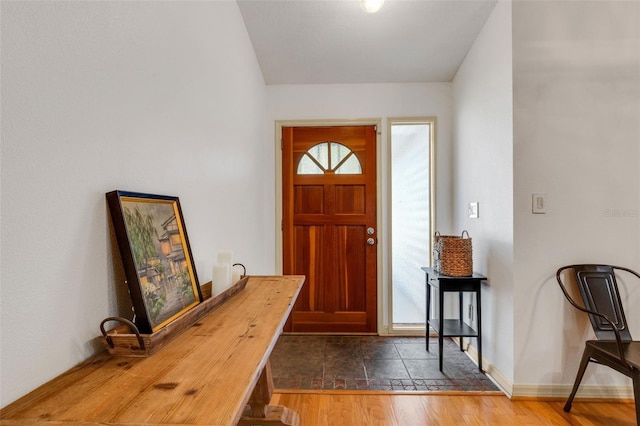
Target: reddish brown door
329	226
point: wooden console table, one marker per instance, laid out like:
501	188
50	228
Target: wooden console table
453	327
215	373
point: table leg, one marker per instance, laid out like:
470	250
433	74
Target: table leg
460	318
441	324
259	413
428	310
479	317
262	393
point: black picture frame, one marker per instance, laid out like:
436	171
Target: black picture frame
156	256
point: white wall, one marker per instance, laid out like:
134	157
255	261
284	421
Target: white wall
376	101
158	97
167	97
576	137
483	172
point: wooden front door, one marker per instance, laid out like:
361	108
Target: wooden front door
329	226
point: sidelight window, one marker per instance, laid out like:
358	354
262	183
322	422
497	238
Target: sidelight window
412	206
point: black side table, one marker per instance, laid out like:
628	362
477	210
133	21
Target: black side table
453	327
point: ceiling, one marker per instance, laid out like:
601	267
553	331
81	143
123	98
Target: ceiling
335	41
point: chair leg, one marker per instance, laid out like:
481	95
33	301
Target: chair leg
586	357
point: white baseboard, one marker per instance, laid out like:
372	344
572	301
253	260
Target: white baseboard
490	370
563	391
547	391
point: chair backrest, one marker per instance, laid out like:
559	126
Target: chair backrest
599	290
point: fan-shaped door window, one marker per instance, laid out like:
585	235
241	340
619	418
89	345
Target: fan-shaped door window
329	157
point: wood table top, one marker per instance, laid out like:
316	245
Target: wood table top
205	376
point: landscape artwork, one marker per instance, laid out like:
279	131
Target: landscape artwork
156	255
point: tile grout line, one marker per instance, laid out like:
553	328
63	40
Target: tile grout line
324	361
364	366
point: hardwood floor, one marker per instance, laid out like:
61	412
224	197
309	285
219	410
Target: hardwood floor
367	409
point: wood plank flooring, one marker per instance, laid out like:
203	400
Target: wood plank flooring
384	409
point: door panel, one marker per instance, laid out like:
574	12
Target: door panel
329	178
351	275
309	199
350	199
308	246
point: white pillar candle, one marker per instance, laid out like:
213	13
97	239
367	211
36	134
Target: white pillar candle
225	256
221	278
235	275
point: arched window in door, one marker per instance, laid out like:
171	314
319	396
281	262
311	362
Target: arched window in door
329	157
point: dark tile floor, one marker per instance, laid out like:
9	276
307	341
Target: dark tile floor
372	363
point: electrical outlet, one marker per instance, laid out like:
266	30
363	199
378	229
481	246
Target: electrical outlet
538	203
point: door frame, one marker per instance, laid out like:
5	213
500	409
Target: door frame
278	189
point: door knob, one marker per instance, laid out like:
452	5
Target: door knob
371	241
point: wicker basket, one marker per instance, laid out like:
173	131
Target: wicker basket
452	255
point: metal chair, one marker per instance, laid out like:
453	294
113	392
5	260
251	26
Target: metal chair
614	346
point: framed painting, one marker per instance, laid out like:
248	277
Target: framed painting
157	260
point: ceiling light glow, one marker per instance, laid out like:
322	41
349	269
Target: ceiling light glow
371	6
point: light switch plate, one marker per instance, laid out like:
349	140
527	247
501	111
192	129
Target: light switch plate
538	203
473	210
